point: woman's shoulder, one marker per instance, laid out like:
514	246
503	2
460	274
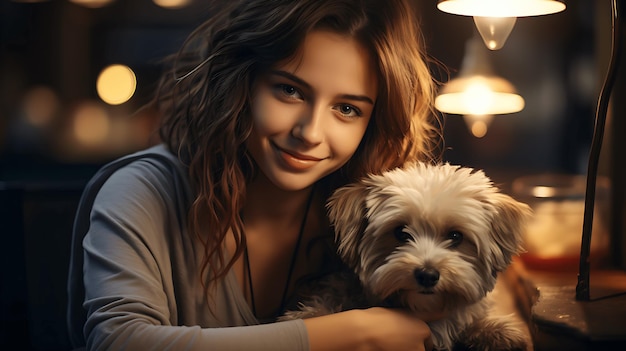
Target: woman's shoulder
155	159
155	165
153	174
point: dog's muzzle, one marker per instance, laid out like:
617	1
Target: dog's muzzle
427	278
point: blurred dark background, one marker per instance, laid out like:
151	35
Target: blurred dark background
51	53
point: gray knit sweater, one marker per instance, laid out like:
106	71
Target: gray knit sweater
134	271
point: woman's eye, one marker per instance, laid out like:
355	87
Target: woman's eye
348	110
288	91
455	237
401	235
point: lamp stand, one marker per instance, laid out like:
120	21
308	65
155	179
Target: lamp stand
582	287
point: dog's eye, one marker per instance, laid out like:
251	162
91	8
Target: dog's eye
455	237
401	235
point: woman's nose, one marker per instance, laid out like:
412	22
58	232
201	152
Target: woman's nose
309	127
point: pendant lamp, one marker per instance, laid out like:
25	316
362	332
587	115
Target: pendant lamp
478	93
495	19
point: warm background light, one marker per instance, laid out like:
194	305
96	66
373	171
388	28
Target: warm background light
94	4
40	105
116	84
553	234
91	124
478	124
172	4
479	129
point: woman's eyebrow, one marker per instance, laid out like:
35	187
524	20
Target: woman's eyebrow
306	85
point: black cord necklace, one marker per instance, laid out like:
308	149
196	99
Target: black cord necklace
292	263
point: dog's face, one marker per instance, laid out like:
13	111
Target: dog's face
429	238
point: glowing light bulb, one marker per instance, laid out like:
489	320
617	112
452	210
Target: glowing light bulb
494	30
479	129
478	124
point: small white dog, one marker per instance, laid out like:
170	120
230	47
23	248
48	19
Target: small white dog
429	238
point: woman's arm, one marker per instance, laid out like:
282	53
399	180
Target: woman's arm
370	329
142	279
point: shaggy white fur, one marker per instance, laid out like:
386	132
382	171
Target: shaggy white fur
428	238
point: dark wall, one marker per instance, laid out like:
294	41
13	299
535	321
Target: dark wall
37	220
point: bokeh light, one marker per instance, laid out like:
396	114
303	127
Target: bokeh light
172	4
479	129
94	4
90	124
116	84
40	105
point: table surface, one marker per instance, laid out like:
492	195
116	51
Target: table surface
547	301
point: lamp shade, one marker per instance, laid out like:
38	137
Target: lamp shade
477	90
501	8
495	18
479	95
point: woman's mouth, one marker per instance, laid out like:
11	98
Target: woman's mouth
296	161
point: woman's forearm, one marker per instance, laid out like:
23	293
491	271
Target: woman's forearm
369	329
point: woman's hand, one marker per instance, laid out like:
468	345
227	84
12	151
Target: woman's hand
374	328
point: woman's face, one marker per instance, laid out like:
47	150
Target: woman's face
311	113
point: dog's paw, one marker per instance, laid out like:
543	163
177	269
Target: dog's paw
493	334
299	314
314	308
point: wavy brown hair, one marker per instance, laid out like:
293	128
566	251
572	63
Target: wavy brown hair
206	96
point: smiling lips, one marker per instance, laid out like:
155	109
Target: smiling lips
296	161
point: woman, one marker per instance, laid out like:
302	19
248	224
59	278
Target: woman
201	242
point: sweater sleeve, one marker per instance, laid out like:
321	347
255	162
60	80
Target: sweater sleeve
130	298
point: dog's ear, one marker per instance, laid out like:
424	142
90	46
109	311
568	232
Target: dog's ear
346	211
508	229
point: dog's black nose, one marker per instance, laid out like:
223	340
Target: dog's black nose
426	277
